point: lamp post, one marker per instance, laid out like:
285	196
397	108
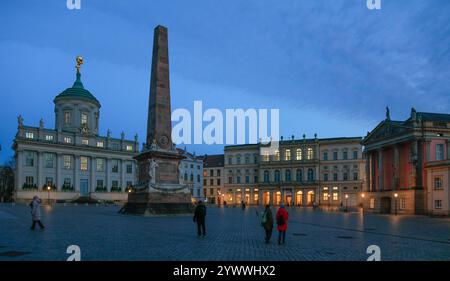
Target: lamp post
362	204
329	202
395	195
346	202
48	192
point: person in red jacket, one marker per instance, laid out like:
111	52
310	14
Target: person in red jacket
282	219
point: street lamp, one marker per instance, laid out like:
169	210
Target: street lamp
362	204
48	191
329	202
395	195
346	202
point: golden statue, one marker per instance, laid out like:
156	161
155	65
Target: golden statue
79	60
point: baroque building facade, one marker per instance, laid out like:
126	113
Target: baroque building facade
408	165
191	173
213	178
327	172
72	160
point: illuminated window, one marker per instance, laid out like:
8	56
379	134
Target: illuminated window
67	118
372	203
129	147
84	118
310	153
85	142
287	155
325	196
29	135
277	155
67	139
67	159
48	137
100	144
402	203
266	157
298	154
335	196
83	163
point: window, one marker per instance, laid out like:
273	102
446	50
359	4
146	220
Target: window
211	191
100	165
355	154
192	166
372	203
277	176
48	158
325	188
218	173
438	183
325	177
298	154
230	179
115	166
439	152
325	156
266	176
310	154
247	179
29	159
218	181
29	135
355	176
255	159
402	203
310	175
230	161
211	182
67	182
211	173
49	181
115	184
325	196
191	177
100	144
185	176
335	155
438	204
29	180
85	142
48	137
345	155
335	176
67	159
288	175
84	118
67	139
287	155
277	155
238	179
205	183
247	159
299	175
266	157
345	177
129	168
83	163
115	146
67	118
337	188
255	179
335	196
100	183
129	184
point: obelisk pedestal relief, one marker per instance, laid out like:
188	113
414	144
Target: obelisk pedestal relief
159	190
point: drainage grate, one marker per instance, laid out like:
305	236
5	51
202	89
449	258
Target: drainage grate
299	234
345	237
13	254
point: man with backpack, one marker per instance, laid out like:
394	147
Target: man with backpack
282	218
267	222
199	218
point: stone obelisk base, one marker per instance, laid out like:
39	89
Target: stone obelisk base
158	202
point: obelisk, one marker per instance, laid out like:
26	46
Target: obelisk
158	190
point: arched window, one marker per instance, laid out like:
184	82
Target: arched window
299	175
185	176
192	177
198	178
310	175
288	175
298	154
277	175
266	176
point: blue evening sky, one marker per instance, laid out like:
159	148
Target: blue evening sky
330	66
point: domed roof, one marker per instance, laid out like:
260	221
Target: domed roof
77	91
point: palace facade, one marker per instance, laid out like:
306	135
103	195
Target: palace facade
408	165
213	178
327	172
72	160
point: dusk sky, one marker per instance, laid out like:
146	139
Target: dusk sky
331	67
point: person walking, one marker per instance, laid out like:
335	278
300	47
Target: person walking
199	218
243	205
282	219
35	206
267	222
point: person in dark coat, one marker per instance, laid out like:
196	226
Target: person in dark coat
35	206
282	219
199	218
267	222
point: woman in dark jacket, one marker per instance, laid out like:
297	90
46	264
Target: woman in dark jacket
267	222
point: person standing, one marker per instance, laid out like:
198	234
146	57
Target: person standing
35	206
199	218
267	222
282	219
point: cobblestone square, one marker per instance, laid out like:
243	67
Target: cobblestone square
232	234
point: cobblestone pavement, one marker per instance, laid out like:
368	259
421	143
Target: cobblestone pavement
232	234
